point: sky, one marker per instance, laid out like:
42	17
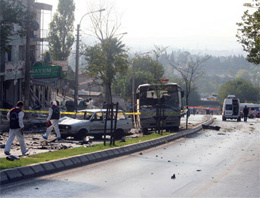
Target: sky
208	25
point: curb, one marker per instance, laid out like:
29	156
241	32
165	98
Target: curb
25	172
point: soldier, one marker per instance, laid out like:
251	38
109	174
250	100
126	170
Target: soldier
15	115
53	118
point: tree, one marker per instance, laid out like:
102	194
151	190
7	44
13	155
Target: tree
146	70
248	33
244	74
241	88
61	30
106	60
190	68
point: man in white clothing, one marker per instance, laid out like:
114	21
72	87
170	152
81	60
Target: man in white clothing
90	103
15	115
54	116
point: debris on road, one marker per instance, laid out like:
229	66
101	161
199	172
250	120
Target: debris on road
173	176
211	127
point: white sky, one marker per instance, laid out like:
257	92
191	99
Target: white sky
189	24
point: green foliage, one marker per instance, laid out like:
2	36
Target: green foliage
61	30
249	32
244	74
146	70
11	12
241	88
107	60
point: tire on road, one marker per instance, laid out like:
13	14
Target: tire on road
119	133
81	134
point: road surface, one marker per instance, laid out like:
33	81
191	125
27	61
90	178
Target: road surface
223	163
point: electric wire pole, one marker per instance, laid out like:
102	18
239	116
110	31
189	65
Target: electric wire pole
27	58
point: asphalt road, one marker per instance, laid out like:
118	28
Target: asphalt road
223	163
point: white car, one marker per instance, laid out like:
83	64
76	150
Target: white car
93	123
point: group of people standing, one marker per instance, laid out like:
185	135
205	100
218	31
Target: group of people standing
15	116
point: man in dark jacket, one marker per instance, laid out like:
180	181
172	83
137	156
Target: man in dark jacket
245	111
15	115
53	118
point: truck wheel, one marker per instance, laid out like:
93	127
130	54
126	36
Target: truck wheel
239	119
81	134
119	133
223	118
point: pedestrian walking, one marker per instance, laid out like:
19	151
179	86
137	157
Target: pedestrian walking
53	120
90	103
245	111
15	115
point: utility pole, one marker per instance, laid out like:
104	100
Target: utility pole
77	71
133	94
77	62
27	59
2	64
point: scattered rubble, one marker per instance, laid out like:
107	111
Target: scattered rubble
211	127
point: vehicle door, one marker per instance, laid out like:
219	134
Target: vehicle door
97	123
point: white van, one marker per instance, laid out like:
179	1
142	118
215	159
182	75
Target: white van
231	108
254	110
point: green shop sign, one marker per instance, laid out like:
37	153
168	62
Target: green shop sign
46	71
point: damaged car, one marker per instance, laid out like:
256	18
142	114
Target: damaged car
92	123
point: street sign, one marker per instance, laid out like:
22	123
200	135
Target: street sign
46	72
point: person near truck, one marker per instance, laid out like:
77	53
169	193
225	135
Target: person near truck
15	116
245	111
53	119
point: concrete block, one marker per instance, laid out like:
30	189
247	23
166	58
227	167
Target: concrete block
76	161
84	159
121	151
58	165
104	155
91	158
98	156
48	167
26	171
125	149
3	178
135	147
38	169
67	162
110	153
116	152
13	174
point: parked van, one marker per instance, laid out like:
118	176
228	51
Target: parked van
231	108
254	110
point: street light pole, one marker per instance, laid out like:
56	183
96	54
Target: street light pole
77	71
77	61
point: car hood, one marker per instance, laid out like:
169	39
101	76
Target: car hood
70	121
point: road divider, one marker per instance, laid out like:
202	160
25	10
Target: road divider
36	170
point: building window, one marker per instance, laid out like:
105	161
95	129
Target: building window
21	52
9	53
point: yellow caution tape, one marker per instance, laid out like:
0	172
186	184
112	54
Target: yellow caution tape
73	113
